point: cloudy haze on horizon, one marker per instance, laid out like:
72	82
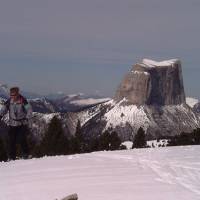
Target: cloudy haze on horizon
88	45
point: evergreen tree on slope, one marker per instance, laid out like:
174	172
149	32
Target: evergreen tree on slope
139	139
54	142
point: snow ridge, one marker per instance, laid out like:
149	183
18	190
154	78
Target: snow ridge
89	101
121	114
152	63
191	101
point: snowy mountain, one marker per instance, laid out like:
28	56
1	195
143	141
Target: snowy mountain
68	103
43	105
150	96
58	102
191	101
4	91
78	102
44	109
157	121
54	96
2	100
139	174
196	108
40	121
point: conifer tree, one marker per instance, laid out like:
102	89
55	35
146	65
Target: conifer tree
54	142
93	144
104	141
185	139
139	139
78	143
109	141
115	141
196	136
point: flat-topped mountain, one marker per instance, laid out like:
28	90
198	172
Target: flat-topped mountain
153	83
150	96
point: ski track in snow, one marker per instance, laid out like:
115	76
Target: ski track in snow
170	173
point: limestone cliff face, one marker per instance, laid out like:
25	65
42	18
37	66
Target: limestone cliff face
153	83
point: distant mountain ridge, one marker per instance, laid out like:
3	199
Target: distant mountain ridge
77	102
4	92
58	102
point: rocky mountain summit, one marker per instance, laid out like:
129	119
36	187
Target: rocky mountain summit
153	83
150	96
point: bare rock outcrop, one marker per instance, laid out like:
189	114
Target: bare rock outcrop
71	197
153	83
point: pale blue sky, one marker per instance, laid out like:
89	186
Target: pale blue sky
88	45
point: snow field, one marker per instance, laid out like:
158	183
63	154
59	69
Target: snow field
140	174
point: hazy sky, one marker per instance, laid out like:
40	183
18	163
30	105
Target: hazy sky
88	45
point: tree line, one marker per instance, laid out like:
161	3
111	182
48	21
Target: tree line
56	142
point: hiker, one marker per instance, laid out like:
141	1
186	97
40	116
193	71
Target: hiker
19	113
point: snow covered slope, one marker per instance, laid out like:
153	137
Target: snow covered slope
2	100
132	114
157	121
191	101
4	90
43	105
164	173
